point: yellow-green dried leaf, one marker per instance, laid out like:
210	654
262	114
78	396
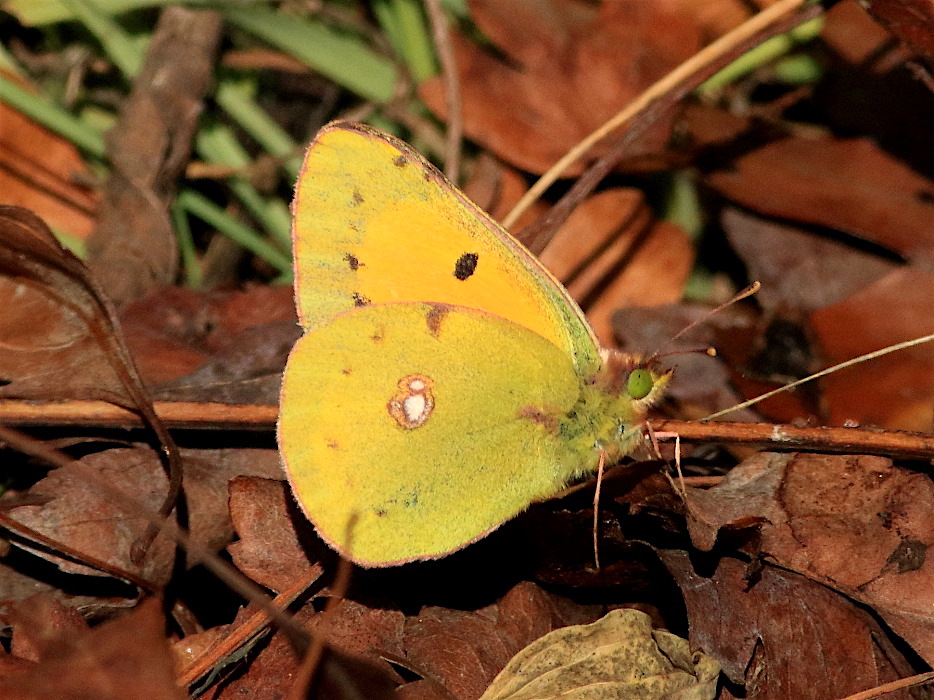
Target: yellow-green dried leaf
619	656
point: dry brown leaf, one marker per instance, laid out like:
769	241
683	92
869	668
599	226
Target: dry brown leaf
850	185
570	66
656	274
19	581
912	21
852	33
248	370
800	272
896	391
212	346
595	238
78	515
271	673
463	651
125	659
611	255
781	635
269	550
41	171
855	523
46	618
369	633
59	342
496	188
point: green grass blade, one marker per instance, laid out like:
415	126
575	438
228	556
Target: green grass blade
217	144
36	13
408	32
236	101
764	53
191	266
341	56
125	53
52	117
197	204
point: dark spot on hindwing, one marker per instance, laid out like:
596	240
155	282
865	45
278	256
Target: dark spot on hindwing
435	317
537	415
465	266
357	196
359	299
396	506
353	262
399	161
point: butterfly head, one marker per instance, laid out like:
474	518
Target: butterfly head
640	379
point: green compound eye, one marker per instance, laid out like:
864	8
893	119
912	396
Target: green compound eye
640	383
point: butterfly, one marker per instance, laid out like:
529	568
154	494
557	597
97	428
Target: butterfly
445	379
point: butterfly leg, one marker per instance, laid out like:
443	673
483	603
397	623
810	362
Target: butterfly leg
596	508
654	436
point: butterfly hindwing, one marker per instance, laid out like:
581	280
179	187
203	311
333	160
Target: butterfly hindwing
415	429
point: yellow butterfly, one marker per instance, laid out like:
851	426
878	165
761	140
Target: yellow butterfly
445	380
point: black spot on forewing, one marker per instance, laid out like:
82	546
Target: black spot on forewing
359	299
465	266
399	161
357	196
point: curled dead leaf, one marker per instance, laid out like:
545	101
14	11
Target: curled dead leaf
618	656
858	524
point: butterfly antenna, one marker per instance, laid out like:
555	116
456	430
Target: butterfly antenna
830	370
739	296
709	351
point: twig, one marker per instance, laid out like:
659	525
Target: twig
889	443
455	130
674	86
219	417
886	688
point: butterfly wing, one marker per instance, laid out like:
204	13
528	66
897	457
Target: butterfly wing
410	430
375	223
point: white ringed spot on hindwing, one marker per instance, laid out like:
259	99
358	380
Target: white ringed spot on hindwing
412	404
